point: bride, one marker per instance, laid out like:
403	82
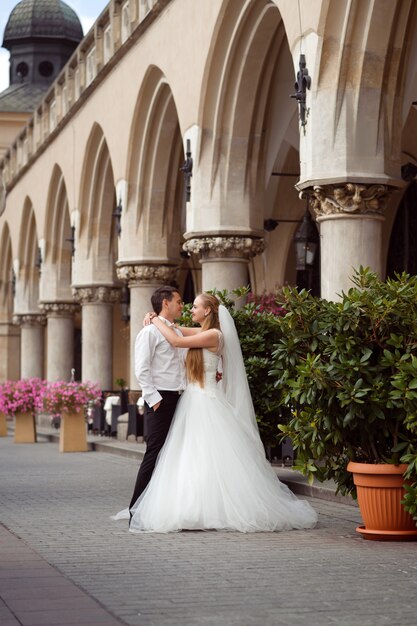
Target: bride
212	472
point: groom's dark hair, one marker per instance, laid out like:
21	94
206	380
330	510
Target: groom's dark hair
162	293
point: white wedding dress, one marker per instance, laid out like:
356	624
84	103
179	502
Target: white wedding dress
212	472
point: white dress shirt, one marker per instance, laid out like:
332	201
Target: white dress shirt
158	365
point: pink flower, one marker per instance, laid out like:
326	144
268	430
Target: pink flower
266	303
21	396
70	397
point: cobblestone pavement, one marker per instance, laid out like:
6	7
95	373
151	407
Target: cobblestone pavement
60	505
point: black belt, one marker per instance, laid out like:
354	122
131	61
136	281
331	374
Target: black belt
167	392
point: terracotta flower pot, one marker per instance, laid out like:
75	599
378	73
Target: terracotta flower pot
3	425
25	428
73	433
380	489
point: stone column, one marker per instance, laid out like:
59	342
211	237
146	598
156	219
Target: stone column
10	350
60	339
31	344
224	259
142	281
350	217
97	332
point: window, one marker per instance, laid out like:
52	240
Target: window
37	129
19	155
145	7
52	115
77	83
125	22
65	100
25	149
46	69
108	44
91	66
22	70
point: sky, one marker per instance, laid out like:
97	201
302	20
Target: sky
87	11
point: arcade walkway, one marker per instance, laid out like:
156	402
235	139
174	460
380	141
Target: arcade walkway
63	561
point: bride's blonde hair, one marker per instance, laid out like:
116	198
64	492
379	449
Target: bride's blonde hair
194	363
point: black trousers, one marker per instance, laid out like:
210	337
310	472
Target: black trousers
158	427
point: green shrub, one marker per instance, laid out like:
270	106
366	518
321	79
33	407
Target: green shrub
348	370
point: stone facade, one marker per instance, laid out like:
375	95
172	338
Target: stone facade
184	178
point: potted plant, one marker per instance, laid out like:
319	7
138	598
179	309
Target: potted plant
124	394
348	370
4	407
22	399
68	400
3	425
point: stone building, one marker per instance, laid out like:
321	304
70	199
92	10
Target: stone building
168	149
41	36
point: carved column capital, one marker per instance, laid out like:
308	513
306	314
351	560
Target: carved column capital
225	247
29	319
96	294
146	273
350	199
59	309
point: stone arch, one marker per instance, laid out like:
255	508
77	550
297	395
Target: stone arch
7	280
9	333
56	265
250	133
236	104
357	89
156	207
27	283
97	240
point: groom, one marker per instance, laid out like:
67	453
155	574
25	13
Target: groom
159	369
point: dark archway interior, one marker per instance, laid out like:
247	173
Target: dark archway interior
402	253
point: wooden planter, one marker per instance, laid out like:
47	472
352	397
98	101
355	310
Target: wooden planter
73	433
380	489
25	428
3	425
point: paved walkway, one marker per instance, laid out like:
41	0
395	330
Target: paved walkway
55	510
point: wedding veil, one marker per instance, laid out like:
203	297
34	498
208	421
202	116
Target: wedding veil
234	381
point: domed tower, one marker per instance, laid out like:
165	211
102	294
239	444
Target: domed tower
41	35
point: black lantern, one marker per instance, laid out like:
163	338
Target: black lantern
187	169
13	282
302	83
71	240
306	241
38	260
117	214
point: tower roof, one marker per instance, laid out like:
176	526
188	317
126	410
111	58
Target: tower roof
31	19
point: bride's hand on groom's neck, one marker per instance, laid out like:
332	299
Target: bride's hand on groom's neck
148	318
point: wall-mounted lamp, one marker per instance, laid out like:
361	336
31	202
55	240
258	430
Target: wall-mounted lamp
125	304
302	83
117	214
187	169
72	240
13	282
38	260
306	240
